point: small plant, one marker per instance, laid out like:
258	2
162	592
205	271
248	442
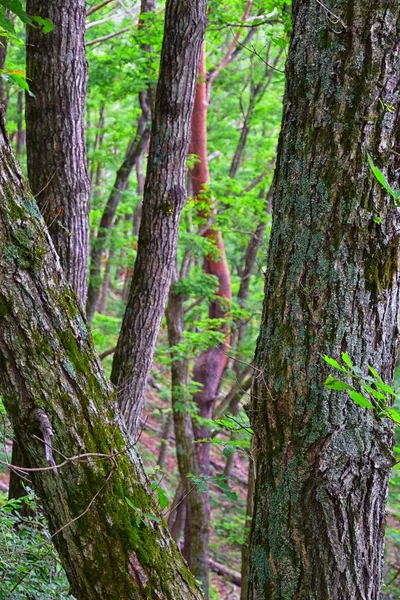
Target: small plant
29	564
368	391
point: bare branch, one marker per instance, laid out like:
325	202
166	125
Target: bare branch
98	7
108	37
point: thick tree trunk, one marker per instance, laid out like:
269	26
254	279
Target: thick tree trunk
332	285
164	199
57	73
61	406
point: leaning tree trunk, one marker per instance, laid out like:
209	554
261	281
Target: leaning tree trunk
63	410
56	69
135	149
332	285
56	155
163	202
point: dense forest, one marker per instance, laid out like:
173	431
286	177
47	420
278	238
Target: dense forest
199	299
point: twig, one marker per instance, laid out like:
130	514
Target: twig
228	56
109	36
98	7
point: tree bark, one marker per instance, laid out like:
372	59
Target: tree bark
332	285
164	199
245	567
55	113
210	365
61	406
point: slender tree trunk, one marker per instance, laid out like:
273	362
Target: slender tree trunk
164	199
197	504
332	285
162	455
135	149
210	364
55	114
61	406
245	567
20	124
96	165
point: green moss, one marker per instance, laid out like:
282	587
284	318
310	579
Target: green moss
10	253
380	267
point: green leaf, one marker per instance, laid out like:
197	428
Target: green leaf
20	81
385	388
6	24
335	384
346	359
375	374
228	451
380	177
152	517
45	24
360	399
15	6
130	503
334	363
377	395
393	414
163	499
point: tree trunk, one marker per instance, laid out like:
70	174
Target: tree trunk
210	364
323	463
244	588
197	513
135	149
61	406
55	113
20	125
164	199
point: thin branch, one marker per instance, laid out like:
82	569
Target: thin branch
100	22
98	7
108	37
228	56
108	352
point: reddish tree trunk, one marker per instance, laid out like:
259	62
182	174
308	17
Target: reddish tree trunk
210	365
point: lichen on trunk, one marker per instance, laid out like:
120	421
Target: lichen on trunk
332	285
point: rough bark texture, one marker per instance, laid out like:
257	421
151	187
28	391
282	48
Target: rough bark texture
332	285
61	405
56	154
164	198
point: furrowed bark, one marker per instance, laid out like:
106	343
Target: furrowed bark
56	155
61	405
332	285
164	198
